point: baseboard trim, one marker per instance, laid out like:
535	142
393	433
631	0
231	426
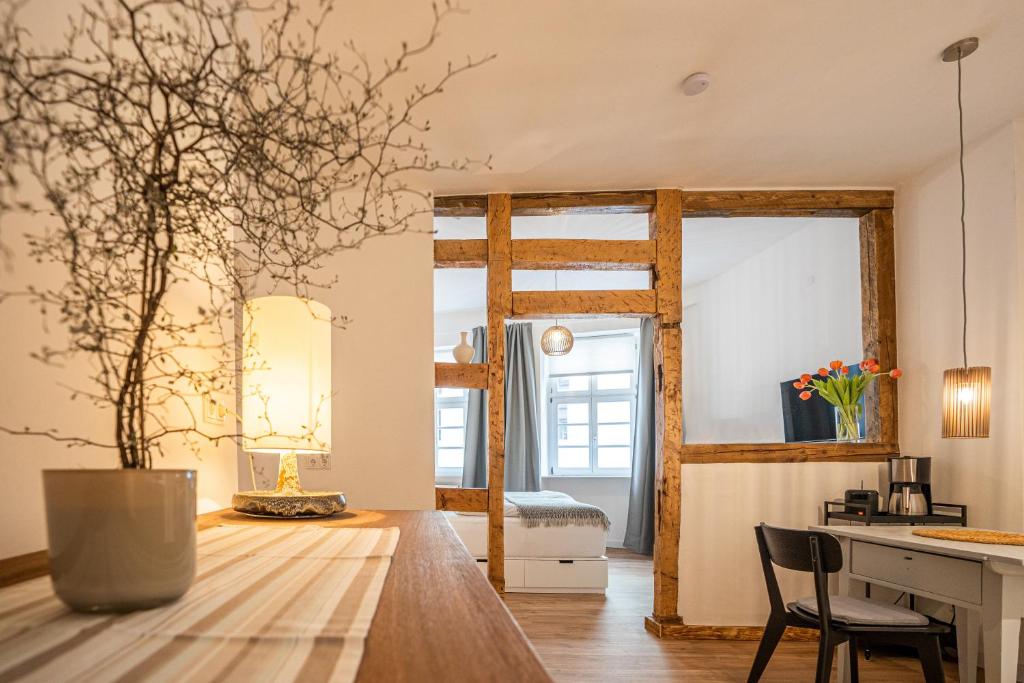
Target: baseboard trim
673	628
24	567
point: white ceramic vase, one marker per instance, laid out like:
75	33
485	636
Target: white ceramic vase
463	353
120	540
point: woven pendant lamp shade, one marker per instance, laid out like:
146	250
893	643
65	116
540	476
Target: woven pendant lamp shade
557	341
966	402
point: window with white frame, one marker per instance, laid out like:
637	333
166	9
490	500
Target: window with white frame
449	425
592	406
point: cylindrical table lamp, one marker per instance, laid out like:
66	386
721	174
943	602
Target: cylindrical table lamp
286	400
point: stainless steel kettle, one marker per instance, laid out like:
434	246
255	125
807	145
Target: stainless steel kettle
907	499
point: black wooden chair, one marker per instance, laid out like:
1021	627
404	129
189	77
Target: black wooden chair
841	619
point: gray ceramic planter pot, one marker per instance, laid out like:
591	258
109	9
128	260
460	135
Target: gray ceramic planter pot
120	540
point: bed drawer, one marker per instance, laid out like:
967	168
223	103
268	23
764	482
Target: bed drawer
566	573
939	575
513	572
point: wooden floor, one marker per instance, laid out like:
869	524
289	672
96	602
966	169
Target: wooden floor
602	638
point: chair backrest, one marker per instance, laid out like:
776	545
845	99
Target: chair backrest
791	548
803	551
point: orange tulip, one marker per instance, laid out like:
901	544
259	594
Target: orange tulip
868	363
799	385
895	373
836	364
805	378
845	370
804	395
823	372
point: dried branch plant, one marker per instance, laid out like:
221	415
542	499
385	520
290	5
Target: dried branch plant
171	150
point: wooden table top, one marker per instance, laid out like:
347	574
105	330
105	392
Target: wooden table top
438	617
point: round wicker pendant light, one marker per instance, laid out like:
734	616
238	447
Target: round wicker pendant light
557	339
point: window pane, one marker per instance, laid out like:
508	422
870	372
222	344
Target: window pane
570	435
613	411
575	383
451	437
575	458
448	392
616	381
449	417
573	413
613	458
450	457
613	435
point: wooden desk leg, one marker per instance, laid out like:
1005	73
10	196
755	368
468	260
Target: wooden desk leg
968	629
842	586
1000	624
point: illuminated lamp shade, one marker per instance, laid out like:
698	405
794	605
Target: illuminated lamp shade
286	399
556	341
966	402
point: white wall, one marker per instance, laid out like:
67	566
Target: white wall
720	579
787	310
986	474
36	395
383	377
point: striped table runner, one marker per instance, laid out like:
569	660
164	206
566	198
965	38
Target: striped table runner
268	604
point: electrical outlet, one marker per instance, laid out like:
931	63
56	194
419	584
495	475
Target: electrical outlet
213	410
315	461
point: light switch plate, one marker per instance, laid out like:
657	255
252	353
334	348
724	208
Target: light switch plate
315	461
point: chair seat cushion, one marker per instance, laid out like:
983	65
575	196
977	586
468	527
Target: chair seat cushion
857	612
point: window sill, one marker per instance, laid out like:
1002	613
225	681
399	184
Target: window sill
586	476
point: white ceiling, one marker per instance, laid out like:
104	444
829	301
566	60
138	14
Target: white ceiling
710	247
586	95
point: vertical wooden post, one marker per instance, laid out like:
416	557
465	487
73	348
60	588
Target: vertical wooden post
878	309
499	308
666	222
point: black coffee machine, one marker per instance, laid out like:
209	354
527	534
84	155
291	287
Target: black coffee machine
910	486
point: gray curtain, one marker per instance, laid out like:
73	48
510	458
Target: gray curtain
474	465
522	429
640	513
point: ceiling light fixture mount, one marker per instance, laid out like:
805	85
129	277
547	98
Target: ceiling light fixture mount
960	49
696	83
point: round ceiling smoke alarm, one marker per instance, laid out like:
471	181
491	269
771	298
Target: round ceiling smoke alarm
695	84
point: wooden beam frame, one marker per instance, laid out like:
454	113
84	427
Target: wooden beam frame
551	203
550	254
499	308
619	303
460	499
662	255
460	375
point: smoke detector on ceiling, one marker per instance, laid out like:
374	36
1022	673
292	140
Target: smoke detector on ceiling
696	83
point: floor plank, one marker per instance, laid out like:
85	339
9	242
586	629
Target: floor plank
602	638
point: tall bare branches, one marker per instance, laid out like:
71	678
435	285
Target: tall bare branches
173	149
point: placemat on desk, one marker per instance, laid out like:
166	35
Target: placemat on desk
972	536
268	604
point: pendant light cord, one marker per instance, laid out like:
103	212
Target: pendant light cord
963	201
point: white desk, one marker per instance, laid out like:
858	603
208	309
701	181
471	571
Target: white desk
984	583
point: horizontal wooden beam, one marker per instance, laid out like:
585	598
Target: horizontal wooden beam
680	631
582	254
550	203
460	253
629	303
707	453
460	375
460	500
464	206
829	203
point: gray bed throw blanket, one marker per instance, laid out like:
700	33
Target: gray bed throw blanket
551	508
